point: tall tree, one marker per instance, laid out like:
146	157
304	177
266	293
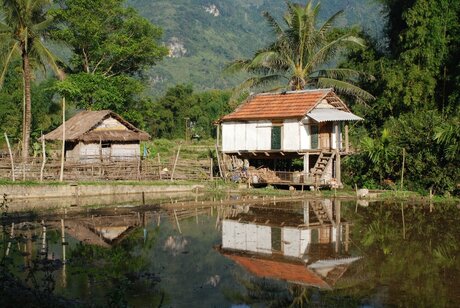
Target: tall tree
106	37
22	34
302	49
111	46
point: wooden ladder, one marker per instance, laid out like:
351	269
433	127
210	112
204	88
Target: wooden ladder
323	161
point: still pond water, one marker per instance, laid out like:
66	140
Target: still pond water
320	253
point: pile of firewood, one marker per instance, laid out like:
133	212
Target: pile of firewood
264	175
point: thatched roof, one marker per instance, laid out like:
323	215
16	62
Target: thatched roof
81	128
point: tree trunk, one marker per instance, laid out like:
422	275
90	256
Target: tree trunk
27	105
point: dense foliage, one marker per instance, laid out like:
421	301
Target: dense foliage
180	106
417	107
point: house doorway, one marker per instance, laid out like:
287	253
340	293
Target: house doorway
325	132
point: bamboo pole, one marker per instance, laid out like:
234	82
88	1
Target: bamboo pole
175	163
44	159
61	175
11	157
402	169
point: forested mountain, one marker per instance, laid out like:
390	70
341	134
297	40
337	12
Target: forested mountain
204	35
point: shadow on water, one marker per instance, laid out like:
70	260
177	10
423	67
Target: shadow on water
244	252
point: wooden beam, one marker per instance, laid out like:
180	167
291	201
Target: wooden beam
338	175
347	148
266	154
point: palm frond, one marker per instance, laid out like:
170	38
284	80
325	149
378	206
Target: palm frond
6	62
324	52
327	25
344	87
342	74
237	66
49	58
274	25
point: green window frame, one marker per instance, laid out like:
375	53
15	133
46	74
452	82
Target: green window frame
276	138
314	136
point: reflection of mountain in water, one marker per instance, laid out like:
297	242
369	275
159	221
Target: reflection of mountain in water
307	246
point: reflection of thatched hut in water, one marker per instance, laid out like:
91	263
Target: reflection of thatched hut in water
307	246
103	231
99	135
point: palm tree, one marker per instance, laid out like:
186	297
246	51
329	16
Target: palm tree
22	34
300	52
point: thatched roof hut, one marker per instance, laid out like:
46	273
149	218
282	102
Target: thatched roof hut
86	126
92	135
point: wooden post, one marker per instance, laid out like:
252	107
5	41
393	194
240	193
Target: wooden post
338	174
219	162
159	166
177	221
347	236
139	168
211	176
61	175
175	163
11	157
44	159
403	221
63	241
402	169
218	135
347	148
11	238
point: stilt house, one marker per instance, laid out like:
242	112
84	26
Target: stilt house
281	131
92	136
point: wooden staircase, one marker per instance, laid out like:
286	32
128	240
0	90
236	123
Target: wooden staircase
323	161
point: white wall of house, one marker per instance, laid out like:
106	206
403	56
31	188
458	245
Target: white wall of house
295	241
125	151
247	237
264	135
89	152
290	139
256	135
257	238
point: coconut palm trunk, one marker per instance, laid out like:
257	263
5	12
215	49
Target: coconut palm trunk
26	125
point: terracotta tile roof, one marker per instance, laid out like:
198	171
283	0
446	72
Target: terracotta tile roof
295	272
293	104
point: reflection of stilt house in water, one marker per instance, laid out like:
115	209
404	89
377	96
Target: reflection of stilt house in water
274	130
92	136
308	247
